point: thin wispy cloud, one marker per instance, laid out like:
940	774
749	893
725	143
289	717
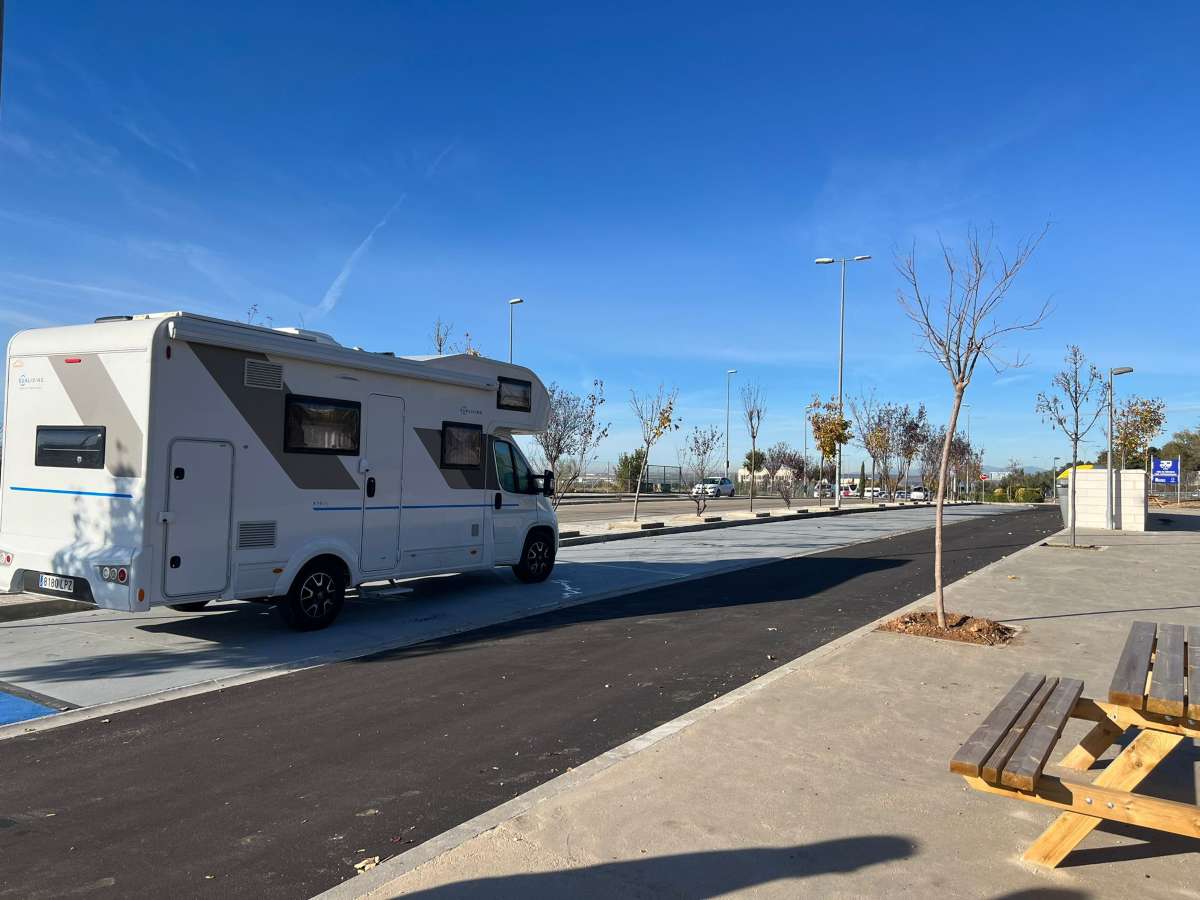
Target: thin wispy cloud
168	148
334	292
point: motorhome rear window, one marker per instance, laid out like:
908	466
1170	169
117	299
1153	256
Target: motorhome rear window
462	445
70	446
515	394
321	425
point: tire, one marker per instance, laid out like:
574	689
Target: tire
537	559
316	597
195	606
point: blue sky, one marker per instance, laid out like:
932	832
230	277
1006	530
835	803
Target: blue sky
654	181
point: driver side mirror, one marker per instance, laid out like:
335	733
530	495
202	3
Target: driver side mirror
547	483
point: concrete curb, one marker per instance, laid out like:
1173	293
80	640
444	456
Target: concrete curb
375	882
734	523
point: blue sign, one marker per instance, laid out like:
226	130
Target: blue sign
1164	471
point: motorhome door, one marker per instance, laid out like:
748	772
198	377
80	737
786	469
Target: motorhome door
514	506
384	455
199	500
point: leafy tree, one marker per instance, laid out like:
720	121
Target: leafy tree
831	430
629	467
1137	423
754	461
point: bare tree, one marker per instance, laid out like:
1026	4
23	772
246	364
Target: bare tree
774	459
793	461
1078	385
959	328
753	409
441	335
656	416
879	433
573	432
699	454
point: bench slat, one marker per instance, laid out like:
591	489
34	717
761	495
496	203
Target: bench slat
974	753
1000	757
1028	760
1193	679
1166	681
1128	687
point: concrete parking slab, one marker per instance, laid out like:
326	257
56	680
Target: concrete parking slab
99	657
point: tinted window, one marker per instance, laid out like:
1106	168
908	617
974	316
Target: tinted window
321	425
506	473
515	394
524	475
70	447
462	445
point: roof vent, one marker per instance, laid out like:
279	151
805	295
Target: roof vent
304	334
256	535
265	375
114	319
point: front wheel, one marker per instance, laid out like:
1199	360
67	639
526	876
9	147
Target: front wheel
537	559
316	597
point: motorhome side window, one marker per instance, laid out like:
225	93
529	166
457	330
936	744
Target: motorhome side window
462	445
514	394
512	472
321	425
70	446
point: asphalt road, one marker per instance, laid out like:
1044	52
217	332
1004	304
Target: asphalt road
623	509
275	789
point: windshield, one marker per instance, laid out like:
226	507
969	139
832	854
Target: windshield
712	480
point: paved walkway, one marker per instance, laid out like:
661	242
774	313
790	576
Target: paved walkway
828	777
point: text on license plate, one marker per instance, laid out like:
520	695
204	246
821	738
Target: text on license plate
56	583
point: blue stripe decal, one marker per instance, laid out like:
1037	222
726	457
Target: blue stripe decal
30	490
337	508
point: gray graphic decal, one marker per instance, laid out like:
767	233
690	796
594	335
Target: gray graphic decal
97	401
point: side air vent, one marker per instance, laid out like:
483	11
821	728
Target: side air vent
265	375
255	535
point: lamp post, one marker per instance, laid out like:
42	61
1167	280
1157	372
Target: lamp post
1108	488
728	379
511	304
825	261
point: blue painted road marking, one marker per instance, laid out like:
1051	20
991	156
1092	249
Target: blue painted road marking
18	709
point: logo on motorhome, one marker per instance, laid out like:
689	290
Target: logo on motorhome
30	382
467	411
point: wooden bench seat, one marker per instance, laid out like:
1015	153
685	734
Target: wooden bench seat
1156	669
1014	742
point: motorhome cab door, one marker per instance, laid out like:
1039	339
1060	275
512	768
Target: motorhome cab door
199	500
384	461
514	506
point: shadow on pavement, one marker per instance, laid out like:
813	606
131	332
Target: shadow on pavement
706	874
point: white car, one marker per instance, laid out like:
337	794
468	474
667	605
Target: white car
713	487
918	493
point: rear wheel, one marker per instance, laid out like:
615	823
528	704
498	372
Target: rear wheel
316	597
195	606
537	559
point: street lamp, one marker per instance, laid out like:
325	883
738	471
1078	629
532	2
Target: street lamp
511	303
1108	491
825	261
728	378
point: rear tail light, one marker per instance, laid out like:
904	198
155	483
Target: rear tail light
114	574
5	558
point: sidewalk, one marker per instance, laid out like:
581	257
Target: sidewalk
828	776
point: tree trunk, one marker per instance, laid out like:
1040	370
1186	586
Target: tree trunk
637	493
943	475
753	460
1074	473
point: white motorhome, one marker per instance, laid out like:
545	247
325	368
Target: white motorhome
173	459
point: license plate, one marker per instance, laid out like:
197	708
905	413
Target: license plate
56	583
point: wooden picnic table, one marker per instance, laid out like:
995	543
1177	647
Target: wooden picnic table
1155	693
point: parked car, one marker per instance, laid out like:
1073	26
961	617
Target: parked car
901	494
823	492
918	493
713	487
